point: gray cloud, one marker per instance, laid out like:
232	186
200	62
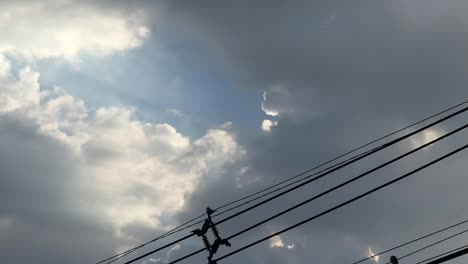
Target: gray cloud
353	71
371	50
37	201
361	69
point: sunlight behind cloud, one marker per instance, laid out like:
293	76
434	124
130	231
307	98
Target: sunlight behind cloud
276	242
425	137
268	124
130	172
66	28
370	254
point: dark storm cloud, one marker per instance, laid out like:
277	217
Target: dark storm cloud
367	67
353	70
28	174
342	53
37	197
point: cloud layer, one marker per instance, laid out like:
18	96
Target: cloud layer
44	29
329	76
115	169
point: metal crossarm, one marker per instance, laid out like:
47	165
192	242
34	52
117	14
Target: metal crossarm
211	248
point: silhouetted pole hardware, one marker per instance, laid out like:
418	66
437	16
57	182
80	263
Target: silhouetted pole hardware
393	260
211	248
450	257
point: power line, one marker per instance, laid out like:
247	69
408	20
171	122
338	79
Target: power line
333	208
449	257
368	153
464	248
361	156
412	241
179	228
348	182
345	154
344	163
123	254
127	252
431	245
344	203
161	248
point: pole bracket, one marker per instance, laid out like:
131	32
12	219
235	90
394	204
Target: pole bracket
211	248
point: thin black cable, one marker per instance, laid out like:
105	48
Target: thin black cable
347	182
443	254
334	159
431	245
123	254
349	152
160	248
388	144
179	228
127	252
449	257
368	153
344	203
412	241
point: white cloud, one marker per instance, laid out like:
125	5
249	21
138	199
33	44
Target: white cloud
276	101
370	254
44	29
268	124
169	253
289	102
131	172
276	242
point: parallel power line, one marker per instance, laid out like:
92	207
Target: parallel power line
184	225
361	156
351	180
431	245
181	227
343	184
446	255
324	212
344	203
413	241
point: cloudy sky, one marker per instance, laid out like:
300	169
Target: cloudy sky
121	119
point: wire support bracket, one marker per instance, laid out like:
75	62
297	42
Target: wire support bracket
211	248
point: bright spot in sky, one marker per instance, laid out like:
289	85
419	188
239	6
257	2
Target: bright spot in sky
376	258
425	137
268	124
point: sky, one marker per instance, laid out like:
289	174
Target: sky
120	120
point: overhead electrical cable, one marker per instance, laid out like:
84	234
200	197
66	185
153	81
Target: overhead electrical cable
368	153
392	142
413	241
431	245
328	210
333	168
347	202
464	248
348	181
